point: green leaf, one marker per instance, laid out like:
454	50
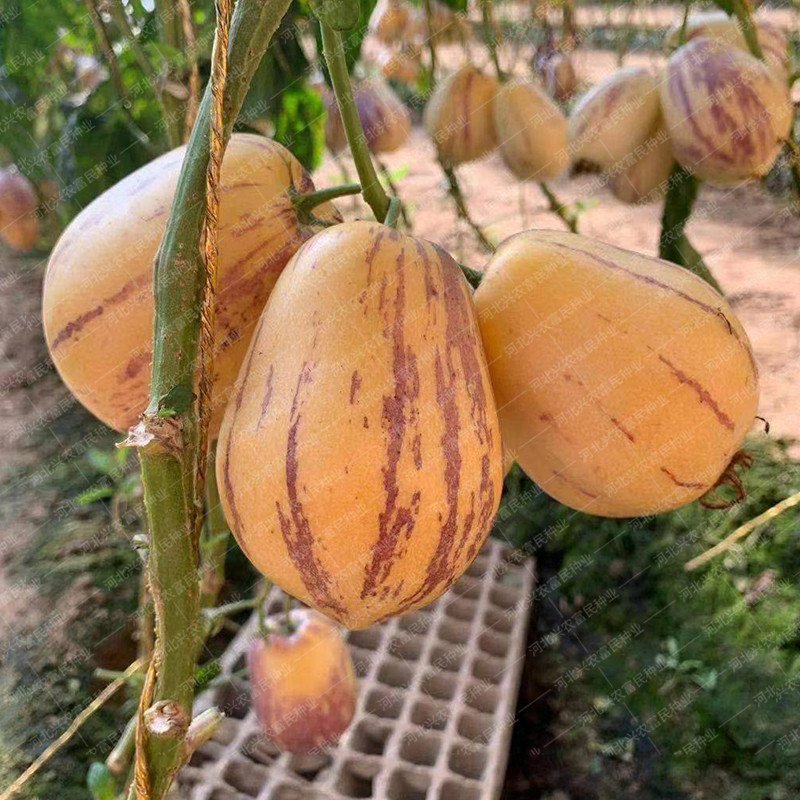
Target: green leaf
100	782
94	495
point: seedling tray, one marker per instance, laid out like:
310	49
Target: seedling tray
437	696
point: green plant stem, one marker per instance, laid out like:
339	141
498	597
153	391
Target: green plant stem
431	43
461	206
306	203
558	208
387	176
673	244
741	11
168	447
490	36
374	195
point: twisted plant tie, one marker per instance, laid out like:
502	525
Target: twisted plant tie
219	74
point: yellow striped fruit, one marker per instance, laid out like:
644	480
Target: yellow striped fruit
459	116
384	118
624	384
19	225
98	308
359	461
532	132
647	177
719	26
614	117
726	112
302	682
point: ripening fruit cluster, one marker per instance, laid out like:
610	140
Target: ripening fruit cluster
360	458
470	114
402	29
716	109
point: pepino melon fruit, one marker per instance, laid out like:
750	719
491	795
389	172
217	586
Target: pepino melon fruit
384	118
614	117
726	112
624	384
302	682
532	132
459	116
98	307
19	225
719	26
646	178
359	461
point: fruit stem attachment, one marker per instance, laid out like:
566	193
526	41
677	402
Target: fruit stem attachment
306	203
374	194
393	214
673	243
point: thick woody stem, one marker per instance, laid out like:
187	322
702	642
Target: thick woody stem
168	436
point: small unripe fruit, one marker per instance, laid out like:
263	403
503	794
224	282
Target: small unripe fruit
645	180
719	26
384	118
532	132
19	225
302	682
726	112
359	463
614	117
97	308
625	384
460	116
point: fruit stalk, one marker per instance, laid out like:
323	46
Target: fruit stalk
167	438
673	243
333	47
741	10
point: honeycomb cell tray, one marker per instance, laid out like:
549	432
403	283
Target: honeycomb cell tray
437	695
